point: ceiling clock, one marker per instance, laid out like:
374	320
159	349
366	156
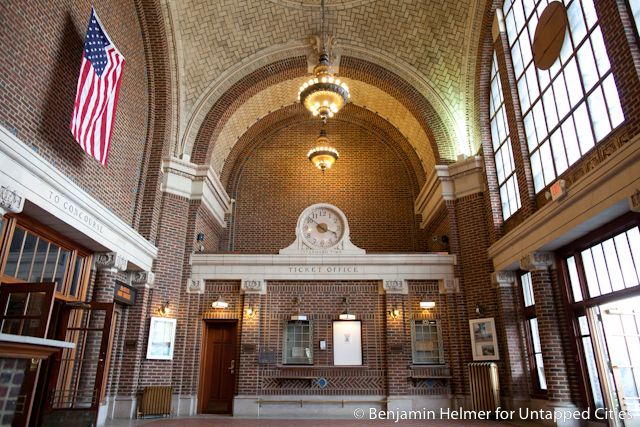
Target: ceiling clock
322	228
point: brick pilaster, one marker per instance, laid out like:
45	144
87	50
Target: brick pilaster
550	324
398	336
514	384
248	383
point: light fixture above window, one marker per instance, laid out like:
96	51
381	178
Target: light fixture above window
324	94
323	156
424	304
346	314
220	303
296	311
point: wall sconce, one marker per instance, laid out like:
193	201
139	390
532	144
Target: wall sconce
250	312
394	313
220	303
346	315
200	239
426	304
163	310
479	309
296	310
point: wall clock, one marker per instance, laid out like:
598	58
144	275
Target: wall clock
322	228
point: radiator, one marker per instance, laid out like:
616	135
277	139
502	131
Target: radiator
485	386
156	401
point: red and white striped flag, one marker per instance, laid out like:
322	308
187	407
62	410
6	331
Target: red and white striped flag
97	94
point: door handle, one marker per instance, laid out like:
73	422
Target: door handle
232	367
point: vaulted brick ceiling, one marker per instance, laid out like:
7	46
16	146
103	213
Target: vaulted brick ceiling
429	44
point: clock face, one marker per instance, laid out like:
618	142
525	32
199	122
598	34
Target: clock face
322	228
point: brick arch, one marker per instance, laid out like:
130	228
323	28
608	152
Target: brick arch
161	114
481	116
290	115
270	158
439	135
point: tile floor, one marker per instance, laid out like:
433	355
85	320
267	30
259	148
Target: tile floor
224	421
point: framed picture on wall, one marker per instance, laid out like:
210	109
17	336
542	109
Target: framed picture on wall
484	342
162	335
347	343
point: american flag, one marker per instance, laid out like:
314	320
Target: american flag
97	93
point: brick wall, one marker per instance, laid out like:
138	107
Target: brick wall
276	182
39	64
12	375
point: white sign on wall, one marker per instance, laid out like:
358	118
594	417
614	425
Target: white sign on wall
347	343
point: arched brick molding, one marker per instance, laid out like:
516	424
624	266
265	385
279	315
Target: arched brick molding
160	118
296	113
440	131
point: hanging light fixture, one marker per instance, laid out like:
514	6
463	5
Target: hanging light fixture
324	94
322	155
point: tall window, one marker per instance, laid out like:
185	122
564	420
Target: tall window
32	256
533	335
573	105
298	343
635	9
502	151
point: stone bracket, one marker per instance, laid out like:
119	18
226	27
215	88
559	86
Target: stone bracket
503	278
253	286
449	286
195	286
10	201
143	279
634	201
110	260
396	286
537	261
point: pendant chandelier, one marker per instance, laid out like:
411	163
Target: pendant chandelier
324	94
323	156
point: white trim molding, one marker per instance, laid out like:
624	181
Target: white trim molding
67	207
394	267
196	182
597	198
449	182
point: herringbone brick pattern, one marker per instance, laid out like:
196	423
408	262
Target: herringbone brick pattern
216	36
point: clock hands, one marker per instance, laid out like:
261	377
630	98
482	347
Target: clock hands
323	227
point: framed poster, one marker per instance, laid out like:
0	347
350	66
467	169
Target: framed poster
162	335
484	342
347	343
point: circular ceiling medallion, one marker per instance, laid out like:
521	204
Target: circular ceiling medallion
549	36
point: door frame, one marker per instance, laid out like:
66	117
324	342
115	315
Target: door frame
203	354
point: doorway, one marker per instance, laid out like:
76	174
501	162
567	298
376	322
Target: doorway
617	326
218	368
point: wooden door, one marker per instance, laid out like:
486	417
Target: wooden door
78	376
218	373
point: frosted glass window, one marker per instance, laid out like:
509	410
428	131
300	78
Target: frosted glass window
573	105
501	143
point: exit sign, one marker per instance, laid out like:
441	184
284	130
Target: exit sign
558	189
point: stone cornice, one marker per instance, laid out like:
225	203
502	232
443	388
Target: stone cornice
64	203
322	267
196	182
449	182
10	201
597	198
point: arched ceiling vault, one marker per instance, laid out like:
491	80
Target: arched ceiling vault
423	45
